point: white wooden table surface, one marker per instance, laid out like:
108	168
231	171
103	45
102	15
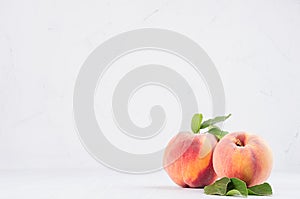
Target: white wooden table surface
105	183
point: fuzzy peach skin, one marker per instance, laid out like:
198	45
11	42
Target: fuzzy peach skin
188	159
244	156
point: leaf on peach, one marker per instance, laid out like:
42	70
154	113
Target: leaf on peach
217	188
264	189
196	122
213	121
216	131
239	185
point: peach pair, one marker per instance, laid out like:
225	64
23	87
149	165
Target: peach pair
197	160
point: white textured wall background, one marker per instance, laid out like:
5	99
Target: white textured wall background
254	44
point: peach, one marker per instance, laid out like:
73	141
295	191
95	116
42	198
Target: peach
188	159
244	156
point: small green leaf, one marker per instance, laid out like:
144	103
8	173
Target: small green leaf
239	185
264	189
196	122
217	188
216	131
214	121
233	192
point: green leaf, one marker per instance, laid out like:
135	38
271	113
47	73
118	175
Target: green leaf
236	187
233	192
239	185
264	189
196	122
217	188
214	121
216	131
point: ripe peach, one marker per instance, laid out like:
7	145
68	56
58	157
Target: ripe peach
244	156
188	159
